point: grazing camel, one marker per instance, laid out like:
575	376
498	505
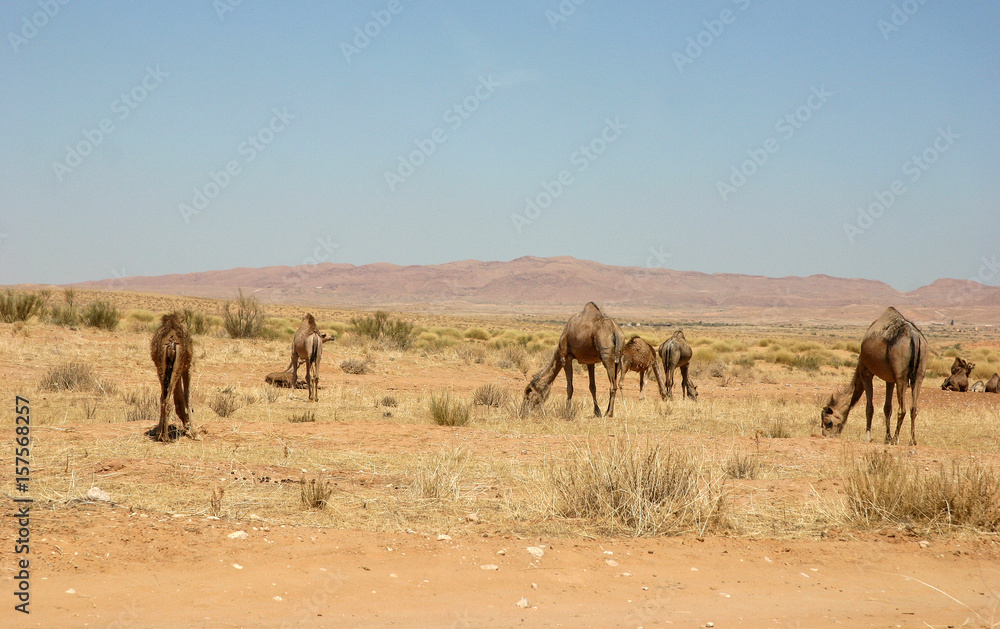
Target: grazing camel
978	387
307	346
896	351
171	352
676	353
638	355
959	378
993	384
589	337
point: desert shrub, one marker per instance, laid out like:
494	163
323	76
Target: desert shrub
226	402
315	493
142	405
741	465
882	488
439	476
382	327
776	428
808	362
243	318
516	357
745	360
355	366
73	377
196	322
477	334
66	315
471	354
492	395
388	400
704	355
446	411
636	489
301	418
19	306
101	314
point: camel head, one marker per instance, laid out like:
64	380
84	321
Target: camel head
831	419
692	392
536	392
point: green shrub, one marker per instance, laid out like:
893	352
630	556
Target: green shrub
449	412
492	395
196	322
18	306
101	314
244	318
381	327
477	334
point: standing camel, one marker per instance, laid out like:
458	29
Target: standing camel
638	355
307	346
171	352
896	351
676	353
589	337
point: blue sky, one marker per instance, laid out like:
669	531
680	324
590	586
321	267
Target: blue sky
721	136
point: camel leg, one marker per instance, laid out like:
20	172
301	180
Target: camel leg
182	404
609	366
309	379
162	430
591	371
568	368
901	413
869	407
685	382
642	385
887	408
295	369
670	381
914	394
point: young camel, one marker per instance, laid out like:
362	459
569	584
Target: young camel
676	353
896	351
959	378
307	346
171	352
589	337
638	355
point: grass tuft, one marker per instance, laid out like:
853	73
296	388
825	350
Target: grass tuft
447	411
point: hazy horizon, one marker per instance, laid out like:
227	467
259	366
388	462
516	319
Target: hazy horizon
858	140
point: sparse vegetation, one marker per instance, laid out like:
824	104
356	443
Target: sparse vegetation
101	314
243	318
196	322
226	402
20	306
301	418
380	326
75	376
142	405
355	366
492	395
66	315
740	465
447	411
315	493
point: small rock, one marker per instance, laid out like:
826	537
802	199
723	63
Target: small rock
709	624
443	538
392	575
502	551
473	517
71	591
96	493
278	598
254	516
534	586
924	544
523	603
611	562
490	566
536	552
237	566
238	535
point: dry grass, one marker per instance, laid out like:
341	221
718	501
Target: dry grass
447	411
315	493
75	376
142	405
492	395
355	366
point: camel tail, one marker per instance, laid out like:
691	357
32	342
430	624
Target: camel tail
314	353
914	366
170	355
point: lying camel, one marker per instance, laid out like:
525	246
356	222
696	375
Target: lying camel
896	351
959	378
993	384
638	355
978	387
589	337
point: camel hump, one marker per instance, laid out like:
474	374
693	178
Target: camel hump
592	309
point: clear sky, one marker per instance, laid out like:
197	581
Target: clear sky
857	138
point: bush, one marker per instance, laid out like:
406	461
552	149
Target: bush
18	306
225	402
101	314
640	490
741	465
477	334
73	377
306	417
66	315
388	400
244	318
448	412
381	327
355	366
196	322
315	494
492	395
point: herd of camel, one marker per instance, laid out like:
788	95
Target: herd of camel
893	349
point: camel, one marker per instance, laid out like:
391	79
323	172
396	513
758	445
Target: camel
959	378
895	350
589	337
638	355
307	346
676	353
171	351
993	384
978	387
283	379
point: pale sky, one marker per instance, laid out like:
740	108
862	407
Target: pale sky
724	136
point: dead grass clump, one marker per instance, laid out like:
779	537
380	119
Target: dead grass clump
447	411
439	476
514	357
226	402
637	489
741	465
142	405
776	428
102	315
74	377
381	327
355	366
301	418
388	400
471	354
215	501
492	395
882	488
315	493
477	334
244	318
18	306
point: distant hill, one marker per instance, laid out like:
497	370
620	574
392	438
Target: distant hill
560	284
